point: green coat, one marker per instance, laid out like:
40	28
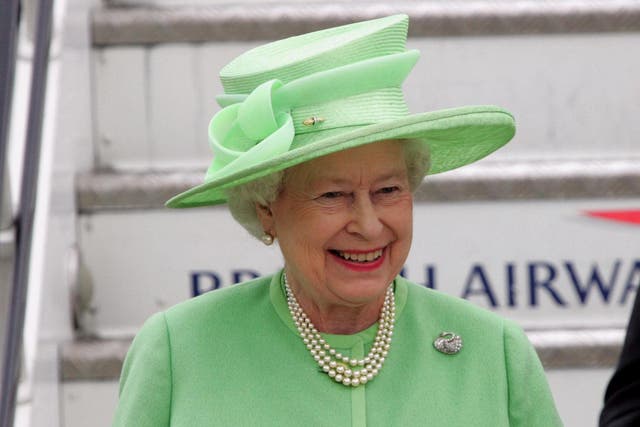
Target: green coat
233	358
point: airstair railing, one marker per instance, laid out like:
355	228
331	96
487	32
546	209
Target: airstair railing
26	212
9	19
9	16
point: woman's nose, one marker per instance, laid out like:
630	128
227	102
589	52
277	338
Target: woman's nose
365	220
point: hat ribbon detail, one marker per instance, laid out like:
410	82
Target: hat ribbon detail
259	126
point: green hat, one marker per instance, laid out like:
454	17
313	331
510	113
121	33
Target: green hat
300	98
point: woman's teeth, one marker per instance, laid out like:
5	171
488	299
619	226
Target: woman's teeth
361	257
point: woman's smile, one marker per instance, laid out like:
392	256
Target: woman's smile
359	256
360	260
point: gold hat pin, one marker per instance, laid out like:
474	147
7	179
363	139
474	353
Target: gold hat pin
312	121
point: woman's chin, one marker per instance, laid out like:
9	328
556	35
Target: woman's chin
360	284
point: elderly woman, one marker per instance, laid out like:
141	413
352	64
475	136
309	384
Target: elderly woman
315	149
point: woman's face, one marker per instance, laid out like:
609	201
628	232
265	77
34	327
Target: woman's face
344	224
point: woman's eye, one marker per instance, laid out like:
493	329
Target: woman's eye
388	190
332	194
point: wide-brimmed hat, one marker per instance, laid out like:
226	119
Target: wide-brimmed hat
300	98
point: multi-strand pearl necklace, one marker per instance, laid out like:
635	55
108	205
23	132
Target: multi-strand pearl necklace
351	372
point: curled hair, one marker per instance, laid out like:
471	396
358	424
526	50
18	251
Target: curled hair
242	199
418	160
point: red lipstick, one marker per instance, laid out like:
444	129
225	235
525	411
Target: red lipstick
361	266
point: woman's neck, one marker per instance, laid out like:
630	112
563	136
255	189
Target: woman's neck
337	318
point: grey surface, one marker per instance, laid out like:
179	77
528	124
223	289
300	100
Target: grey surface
93	359
568	349
536	180
580	348
136	23
568	179
100	191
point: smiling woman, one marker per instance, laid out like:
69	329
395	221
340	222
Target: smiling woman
332	214
315	150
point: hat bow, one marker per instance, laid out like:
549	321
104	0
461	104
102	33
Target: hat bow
258	126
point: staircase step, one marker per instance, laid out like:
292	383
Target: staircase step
139	22
483	181
91	360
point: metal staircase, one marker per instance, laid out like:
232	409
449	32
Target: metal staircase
511	231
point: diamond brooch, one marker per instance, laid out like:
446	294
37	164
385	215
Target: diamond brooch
448	343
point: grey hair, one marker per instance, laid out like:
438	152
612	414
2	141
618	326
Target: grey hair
242	199
417	157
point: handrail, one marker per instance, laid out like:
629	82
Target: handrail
9	19
25	216
9	16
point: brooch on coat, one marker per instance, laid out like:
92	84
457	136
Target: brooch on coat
448	343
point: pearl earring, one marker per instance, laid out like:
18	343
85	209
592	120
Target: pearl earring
267	239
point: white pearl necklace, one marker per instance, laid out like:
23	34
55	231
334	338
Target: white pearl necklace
343	369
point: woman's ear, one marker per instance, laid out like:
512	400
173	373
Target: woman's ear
265	216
